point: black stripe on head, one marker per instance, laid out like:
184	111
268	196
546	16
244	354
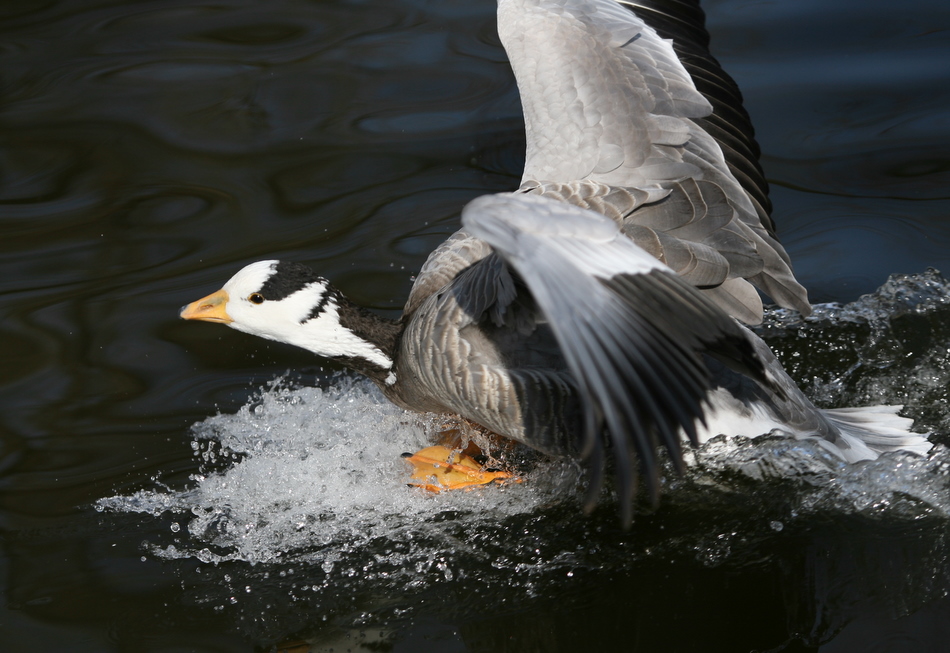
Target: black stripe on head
287	279
328	294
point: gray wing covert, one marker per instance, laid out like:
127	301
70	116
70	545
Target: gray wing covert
608	105
456	253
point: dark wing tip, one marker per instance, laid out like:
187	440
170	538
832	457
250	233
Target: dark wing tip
646	377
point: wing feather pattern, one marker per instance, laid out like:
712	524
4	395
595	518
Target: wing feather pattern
630	329
608	104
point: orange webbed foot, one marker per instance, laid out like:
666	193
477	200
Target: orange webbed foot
440	468
453	463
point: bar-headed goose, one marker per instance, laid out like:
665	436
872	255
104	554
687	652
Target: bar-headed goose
596	309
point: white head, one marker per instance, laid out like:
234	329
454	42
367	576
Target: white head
287	302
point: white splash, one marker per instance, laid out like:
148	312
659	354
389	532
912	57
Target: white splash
307	468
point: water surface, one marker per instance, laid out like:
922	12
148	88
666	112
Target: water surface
150	149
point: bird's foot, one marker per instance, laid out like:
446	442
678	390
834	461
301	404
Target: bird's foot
458	462
438	468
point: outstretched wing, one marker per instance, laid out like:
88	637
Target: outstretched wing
631	330
611	121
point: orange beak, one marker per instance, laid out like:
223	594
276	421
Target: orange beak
208	309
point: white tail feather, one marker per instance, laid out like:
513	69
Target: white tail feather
873	430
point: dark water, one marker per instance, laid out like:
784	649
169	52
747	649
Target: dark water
150	149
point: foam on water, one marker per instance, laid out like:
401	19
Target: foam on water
301	468
316	475
889	347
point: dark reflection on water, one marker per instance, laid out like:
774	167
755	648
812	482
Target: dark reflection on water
149	149
849	103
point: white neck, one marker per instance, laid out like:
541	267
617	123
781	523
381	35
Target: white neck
324	335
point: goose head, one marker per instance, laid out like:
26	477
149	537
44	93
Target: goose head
288	302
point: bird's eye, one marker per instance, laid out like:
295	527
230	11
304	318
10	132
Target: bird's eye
256	298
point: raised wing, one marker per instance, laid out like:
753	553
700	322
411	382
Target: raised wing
632	331
682	22
615	123
603	96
